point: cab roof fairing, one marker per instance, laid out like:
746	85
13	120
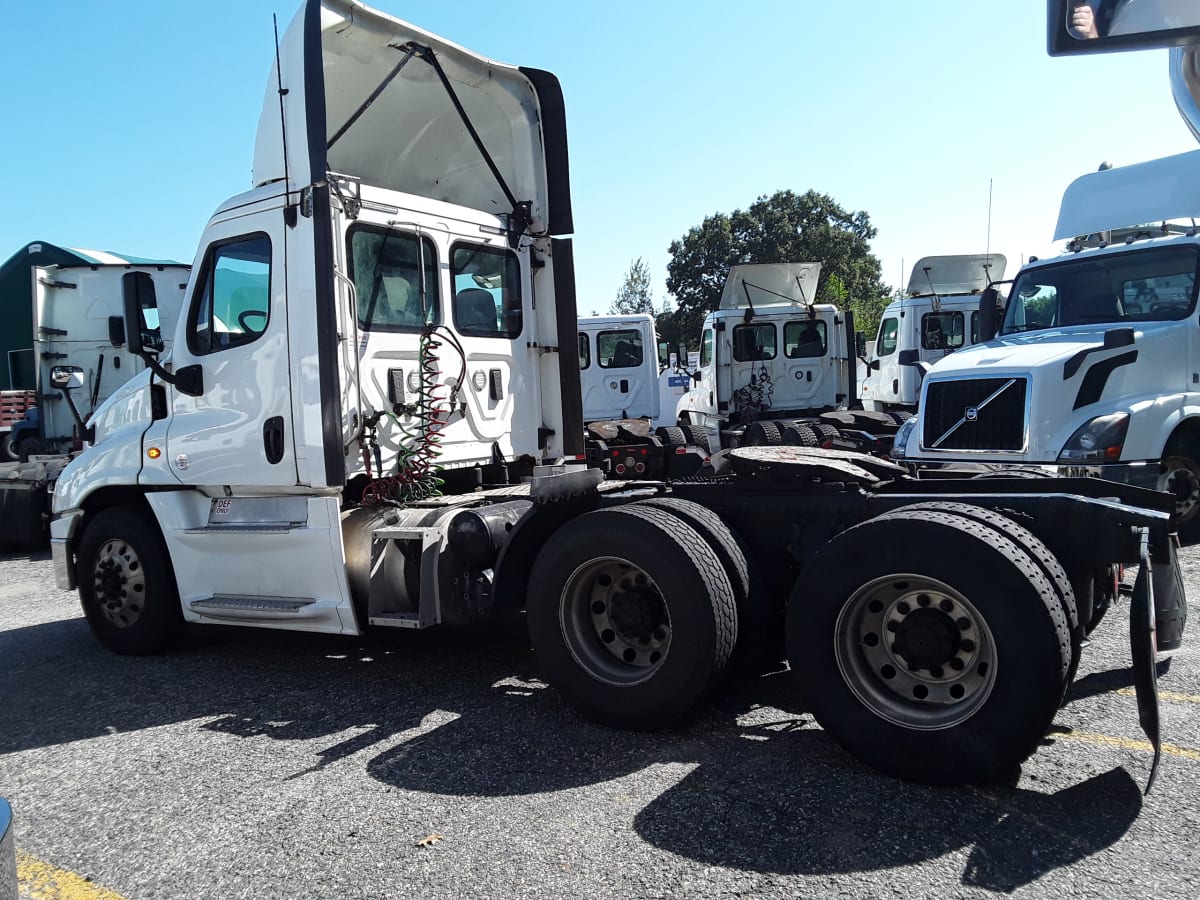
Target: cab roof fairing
771	284
958	274
1149	192
410	138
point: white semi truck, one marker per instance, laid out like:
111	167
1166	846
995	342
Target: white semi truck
78	316
777	368
371	418
1093	365
938	314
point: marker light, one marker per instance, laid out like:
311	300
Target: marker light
153	452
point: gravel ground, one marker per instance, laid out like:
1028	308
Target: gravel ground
259	764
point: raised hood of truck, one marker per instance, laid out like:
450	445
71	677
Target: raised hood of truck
770	284
1149	192
369	96
961	274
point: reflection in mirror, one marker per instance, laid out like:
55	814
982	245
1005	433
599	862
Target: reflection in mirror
1092	19
66	378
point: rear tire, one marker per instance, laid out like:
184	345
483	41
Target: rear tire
8	452
762	434
698	436
632	616
671	436
875	639
126	584
1041	556
800	436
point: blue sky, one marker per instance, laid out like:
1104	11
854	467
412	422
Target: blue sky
127	123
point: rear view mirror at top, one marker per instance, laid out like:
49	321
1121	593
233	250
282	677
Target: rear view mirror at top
1102	26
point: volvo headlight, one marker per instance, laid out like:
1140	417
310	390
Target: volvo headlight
900	441
1099	440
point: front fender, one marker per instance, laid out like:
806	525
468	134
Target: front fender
115	462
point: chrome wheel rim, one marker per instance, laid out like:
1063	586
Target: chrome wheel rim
119	583
915	652
615	621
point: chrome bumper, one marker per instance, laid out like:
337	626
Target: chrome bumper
1135	474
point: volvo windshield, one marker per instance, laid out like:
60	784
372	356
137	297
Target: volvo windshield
1138	286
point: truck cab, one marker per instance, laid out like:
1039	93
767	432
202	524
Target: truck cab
619	368
769	352
938	315
1095	365
359	324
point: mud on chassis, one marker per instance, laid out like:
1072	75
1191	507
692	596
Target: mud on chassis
933	629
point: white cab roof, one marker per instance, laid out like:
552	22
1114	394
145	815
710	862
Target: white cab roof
960	274
1149	192
770	284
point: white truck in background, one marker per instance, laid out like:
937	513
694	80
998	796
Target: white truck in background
1094	367
368	422
938	314
776	367
78	323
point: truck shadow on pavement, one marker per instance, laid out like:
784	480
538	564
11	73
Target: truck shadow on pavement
753	784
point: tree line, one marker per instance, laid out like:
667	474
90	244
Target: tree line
784	227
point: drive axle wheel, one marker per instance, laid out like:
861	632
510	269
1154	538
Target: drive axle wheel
915	651
632	616
615	621
930	645
126	585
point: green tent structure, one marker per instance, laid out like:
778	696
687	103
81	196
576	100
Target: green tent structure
18	369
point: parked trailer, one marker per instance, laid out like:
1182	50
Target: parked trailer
356	467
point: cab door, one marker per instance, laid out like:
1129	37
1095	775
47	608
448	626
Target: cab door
624	383
236	428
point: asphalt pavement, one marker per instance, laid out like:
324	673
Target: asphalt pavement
252	763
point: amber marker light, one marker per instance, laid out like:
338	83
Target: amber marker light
154	453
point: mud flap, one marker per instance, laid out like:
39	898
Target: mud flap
1143	649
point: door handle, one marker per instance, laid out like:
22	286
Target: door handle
624	385
273	439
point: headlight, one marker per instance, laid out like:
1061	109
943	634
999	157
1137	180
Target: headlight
1099	440
900	441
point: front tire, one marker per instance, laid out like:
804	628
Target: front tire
931	647
1181	476
632	616
126	584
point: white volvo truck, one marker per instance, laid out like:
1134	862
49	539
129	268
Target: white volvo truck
938	314
371	418
1095	365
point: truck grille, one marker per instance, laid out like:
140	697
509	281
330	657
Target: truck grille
975	414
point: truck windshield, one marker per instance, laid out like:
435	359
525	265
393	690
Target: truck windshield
1140	286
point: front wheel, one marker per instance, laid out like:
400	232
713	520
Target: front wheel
930	646
1180	475
126	584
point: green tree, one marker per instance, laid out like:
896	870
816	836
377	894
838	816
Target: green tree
635	295
784	227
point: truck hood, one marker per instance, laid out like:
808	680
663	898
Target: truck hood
1042	349
128	403
371	97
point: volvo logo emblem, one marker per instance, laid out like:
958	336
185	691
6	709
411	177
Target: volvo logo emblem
971	413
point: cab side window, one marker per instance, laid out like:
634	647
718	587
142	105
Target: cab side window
395	279
706	348
585	351
232	305
942	331
885	344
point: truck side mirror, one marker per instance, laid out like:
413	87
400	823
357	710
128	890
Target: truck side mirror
1073	26
873	365
664	353
66	378
696	376
860	344
138	288
682	355
988	317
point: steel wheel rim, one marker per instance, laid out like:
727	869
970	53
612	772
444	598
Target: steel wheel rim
1181	479
615	621
119	582
915	652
